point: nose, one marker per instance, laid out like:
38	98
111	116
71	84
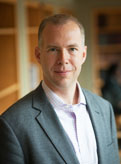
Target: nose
63	57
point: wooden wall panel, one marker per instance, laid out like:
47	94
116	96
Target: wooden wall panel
8	68
9	85
8	100
6	15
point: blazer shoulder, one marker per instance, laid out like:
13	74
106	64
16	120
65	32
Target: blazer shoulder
26	102
19	107
98	104
94	97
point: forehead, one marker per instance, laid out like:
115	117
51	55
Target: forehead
59	32
69	25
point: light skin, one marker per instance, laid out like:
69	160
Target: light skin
61	56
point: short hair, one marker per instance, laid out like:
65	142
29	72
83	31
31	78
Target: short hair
59	19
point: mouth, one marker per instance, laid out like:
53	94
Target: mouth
63	73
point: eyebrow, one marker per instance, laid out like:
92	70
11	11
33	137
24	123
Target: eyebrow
71	45
51	46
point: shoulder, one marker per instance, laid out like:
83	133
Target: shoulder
23	113
19	111
24	106
92	96
94	99
99	105
22	102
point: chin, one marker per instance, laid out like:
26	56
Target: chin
63	84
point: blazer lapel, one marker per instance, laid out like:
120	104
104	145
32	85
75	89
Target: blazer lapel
53	129
99	125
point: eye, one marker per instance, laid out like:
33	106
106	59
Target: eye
53	49
73	49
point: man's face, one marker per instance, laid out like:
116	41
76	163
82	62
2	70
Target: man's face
61	55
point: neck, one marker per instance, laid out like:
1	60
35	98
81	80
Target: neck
68	94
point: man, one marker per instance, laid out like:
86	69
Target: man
59	123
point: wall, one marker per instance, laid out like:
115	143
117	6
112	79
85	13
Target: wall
85	11
57	3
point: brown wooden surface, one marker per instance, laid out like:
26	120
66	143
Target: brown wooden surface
8	68
8	100
7	15
9	87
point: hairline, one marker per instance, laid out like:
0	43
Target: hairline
49	20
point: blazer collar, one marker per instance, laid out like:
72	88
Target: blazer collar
49	121
95	106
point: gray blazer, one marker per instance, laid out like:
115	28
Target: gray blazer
30	132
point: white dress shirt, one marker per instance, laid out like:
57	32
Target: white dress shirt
77	124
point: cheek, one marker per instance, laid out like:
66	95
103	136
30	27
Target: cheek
77	62
48	62
80	61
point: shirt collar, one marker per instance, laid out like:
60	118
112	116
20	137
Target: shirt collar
56	101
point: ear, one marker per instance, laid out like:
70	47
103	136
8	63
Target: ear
37	54
84	54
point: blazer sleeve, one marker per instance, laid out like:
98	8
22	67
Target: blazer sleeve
114	134
113	125
10	149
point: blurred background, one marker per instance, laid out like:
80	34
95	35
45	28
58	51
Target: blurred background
19	71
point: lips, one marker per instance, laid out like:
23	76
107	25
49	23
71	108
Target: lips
62	73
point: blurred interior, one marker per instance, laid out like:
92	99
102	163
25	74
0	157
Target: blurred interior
19	71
